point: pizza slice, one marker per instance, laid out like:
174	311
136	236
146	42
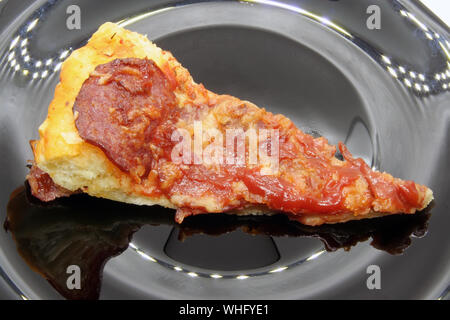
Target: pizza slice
128	123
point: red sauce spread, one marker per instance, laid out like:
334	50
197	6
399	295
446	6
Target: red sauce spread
403	194
128	108
43	187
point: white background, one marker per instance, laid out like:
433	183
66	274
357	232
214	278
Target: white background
441	8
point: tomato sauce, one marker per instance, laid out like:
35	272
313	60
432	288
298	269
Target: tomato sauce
128	108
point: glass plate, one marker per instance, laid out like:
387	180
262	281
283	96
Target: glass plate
324	64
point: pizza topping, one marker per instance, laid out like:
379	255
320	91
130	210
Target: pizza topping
128	108
120	107
43	187
402	195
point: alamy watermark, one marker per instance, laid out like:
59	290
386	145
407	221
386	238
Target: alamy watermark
73	21
373	22
74	280
237	147
374	280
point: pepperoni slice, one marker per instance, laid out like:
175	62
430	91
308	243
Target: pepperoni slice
43	187
118	108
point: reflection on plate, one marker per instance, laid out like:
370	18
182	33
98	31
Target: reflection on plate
85	231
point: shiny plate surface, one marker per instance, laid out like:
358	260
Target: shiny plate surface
384	92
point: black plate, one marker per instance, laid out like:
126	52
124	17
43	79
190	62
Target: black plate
384	92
